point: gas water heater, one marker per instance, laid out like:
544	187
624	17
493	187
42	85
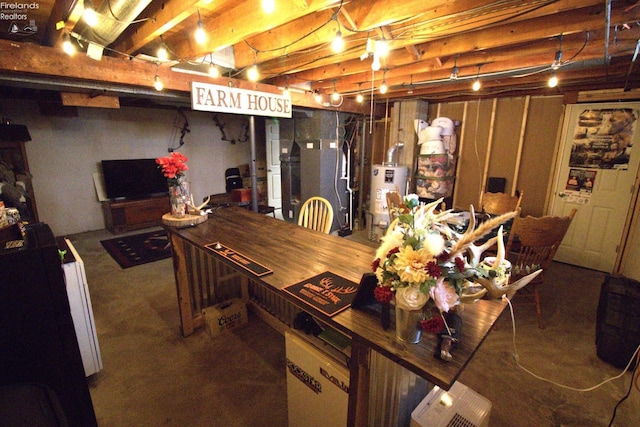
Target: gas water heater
384	179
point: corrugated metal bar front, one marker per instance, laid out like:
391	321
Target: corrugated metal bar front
210	281
394	392
273	303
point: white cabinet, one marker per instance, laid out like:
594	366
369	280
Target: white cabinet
82	312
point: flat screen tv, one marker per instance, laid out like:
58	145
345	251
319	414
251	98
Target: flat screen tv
133	179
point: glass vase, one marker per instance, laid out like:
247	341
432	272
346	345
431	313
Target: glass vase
179	198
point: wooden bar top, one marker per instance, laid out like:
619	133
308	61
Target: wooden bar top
295	253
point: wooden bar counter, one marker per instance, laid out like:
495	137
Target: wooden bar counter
295	254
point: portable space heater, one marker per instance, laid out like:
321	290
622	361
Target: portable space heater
458	407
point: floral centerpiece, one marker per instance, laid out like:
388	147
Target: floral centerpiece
173	168
422	258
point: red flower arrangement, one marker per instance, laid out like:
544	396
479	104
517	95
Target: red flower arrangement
173	167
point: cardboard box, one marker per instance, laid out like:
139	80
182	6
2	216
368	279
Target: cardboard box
225	316
241	195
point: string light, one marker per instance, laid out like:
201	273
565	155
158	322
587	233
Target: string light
454	70
213	70
557	62
317	96
410	90
200	34
268	6
338	42
381	47
553	81
89	15
375	65
162	53
157	83
335	96
359	97
383	86
67	46
476	83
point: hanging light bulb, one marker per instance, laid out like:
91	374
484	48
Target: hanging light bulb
338	42
381	47
553	81
375	64
476	83
67	45
157	83
359	97
200	34
213	70
410	90
162	53
335	95
253	74
454	70
89	15
317	96
557	61
454	73
268	6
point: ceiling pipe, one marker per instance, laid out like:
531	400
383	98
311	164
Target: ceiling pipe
114	17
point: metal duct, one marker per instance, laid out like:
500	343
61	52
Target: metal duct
116	17
391	154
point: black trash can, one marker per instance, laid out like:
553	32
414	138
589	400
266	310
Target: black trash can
618	320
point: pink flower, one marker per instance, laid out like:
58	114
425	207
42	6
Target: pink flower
443	295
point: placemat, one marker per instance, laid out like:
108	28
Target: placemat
326	292
240	260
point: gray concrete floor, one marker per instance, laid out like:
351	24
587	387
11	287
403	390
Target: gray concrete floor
152	376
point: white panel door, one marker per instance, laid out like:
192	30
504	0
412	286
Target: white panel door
274	191
592	179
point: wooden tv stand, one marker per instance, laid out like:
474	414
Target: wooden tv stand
125	215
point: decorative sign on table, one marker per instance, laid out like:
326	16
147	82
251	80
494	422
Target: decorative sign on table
239	259
326	292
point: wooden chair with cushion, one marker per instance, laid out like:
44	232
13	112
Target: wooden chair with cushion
499	203
317	214
534	242
394	204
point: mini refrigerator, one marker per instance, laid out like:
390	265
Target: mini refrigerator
317	385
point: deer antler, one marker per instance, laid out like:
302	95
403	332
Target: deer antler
496	291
